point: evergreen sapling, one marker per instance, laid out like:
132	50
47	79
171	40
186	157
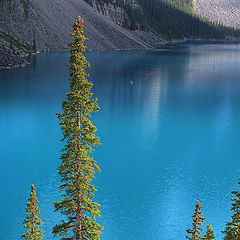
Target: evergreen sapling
32	221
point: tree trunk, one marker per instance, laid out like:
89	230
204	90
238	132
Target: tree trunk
79	194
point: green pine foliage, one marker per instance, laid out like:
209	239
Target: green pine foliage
232	230
32	221
78	168
195	232
209	234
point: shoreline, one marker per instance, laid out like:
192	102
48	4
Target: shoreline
161	45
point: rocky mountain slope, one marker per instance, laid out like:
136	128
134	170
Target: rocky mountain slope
220	11
223	11
51	22
13	52
114	9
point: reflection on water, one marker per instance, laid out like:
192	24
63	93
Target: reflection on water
169	139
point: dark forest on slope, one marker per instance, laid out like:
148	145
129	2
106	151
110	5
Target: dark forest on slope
171	19
173	23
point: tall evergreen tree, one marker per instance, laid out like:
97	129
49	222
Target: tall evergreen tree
197	223
32	221
78	168
232	230
209	234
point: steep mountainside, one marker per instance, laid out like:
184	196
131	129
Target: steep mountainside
171	19
224	11
129	13
51	22
12	51
116	10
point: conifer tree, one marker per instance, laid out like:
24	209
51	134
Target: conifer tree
197	223
34	44
32	221
209	234
232	230
78	168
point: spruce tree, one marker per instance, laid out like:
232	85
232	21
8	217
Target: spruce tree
78	168
197	223
209	234
32	221
232	230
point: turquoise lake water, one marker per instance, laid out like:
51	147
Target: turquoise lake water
171	138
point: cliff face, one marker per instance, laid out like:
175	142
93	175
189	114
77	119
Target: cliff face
111	11
223	11
115	10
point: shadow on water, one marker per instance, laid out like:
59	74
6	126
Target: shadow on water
144	70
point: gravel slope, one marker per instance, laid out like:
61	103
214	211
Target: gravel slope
225	11
52	21
9	59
